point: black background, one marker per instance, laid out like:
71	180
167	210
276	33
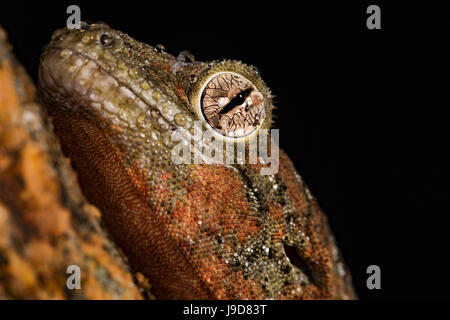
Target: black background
359	111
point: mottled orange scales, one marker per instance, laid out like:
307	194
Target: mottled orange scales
143	239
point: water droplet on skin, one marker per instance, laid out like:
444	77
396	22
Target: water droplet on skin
132	73
140	121
185	56
192	78
160	48
145	85
165	110
155	114
156	95
167	141
164	126
65	53
121	65
86	39
180	119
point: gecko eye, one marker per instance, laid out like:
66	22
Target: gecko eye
232	105
107	40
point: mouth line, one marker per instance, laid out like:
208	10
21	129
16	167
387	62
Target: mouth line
184	134
108	73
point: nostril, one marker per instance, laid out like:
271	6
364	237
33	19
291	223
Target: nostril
185	56
85	24
298	261
106	40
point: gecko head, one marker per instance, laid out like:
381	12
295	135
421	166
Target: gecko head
129	84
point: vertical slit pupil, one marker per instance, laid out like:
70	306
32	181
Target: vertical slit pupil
236	101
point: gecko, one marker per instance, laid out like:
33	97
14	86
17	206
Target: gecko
205	230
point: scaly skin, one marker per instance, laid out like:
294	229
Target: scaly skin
197	231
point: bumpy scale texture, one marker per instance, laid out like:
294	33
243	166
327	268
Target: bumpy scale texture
197	231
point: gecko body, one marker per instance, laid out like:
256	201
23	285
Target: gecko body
197	231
